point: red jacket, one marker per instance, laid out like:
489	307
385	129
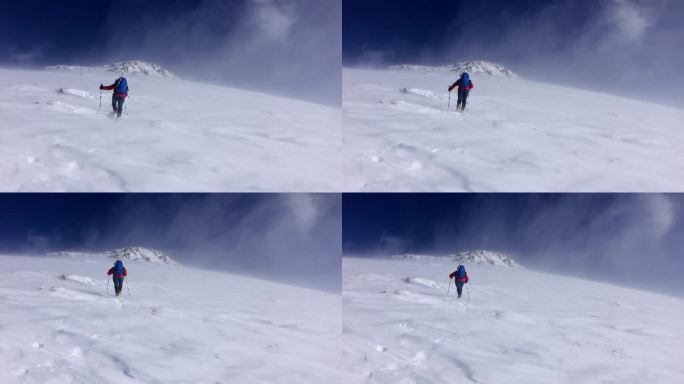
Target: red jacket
461	87
118	276
110	87
463	280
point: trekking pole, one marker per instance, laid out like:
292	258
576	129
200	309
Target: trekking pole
468	292
449	287
108	285
448	108
100	109
129	290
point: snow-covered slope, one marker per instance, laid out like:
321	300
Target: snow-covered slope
175	135
510	326
125	254
59	324
474	67
516	135
479	256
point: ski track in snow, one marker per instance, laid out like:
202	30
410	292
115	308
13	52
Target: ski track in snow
511	326
515	136
179	325
174	136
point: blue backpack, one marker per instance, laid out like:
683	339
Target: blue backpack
460	272
118	268
465	79
121	85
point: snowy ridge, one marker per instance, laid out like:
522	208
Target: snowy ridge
125	254
122	67
486	257
281	142
404	323
140	254
137	66
470	257
402	133
62	323
475	67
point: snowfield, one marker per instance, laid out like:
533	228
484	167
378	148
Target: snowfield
174	136
59	324
511	326
516	135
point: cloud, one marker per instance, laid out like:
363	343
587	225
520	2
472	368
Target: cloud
285	47
272	20
630	20
660	217
286	237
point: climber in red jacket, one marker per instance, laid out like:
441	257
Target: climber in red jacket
461	277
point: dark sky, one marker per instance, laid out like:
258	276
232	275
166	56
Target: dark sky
610	45
286	237
290	47
631	239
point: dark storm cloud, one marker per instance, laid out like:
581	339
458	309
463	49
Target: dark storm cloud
294	238
630	239
630	47
287	47
292	47
287	237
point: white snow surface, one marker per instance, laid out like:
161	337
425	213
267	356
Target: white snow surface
124	254
515	136
510	326
175	135
178	325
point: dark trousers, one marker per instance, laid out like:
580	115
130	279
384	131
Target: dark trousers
117	104
118	285
462	96
459	288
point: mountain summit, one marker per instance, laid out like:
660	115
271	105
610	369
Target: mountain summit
466	257
474	67
486	257
125	254
127	67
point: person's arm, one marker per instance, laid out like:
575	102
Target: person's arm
471	86
452	274
466	277
125	273
111	270
107	87
454	85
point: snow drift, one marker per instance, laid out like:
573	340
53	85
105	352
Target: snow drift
175	135
511	326
61	323
515	136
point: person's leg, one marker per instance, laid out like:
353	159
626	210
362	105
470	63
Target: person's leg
114	103
465	97
119	108
459	288
118	285
460	99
